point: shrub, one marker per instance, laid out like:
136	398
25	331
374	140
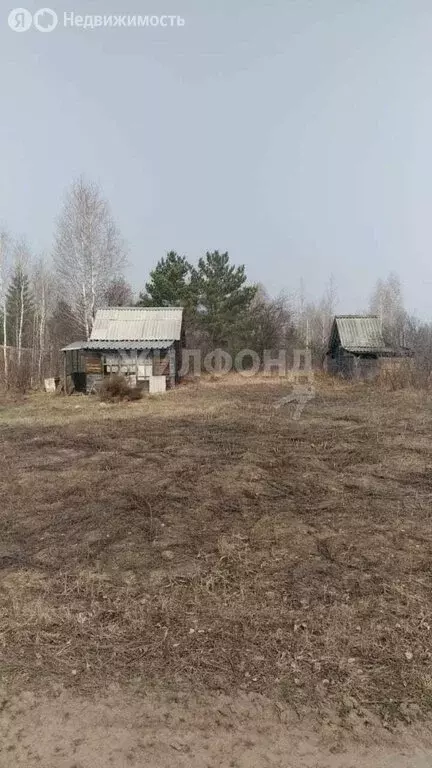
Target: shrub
135	394
116	388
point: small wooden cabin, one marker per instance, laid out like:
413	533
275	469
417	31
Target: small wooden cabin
142	343
357	347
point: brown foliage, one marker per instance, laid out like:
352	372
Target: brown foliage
402	374
115	388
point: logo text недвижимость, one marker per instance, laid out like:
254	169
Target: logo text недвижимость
46	20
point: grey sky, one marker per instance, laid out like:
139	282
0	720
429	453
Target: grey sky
296	134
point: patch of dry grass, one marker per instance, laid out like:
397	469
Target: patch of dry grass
204	538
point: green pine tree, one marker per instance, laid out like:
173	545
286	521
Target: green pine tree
169	284
224	299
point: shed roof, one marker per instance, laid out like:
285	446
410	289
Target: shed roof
359	333
113	346
139	324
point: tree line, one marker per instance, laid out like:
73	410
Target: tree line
49	301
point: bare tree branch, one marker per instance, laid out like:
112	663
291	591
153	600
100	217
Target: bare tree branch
89	252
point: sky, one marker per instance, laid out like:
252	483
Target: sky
294	134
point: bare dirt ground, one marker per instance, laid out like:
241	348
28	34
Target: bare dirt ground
186	731
166	561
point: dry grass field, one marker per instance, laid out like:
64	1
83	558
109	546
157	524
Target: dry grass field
206	541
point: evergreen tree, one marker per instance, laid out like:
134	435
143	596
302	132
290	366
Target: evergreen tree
169	284
223	299
19	310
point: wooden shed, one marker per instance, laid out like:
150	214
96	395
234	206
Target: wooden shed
357	347
143	344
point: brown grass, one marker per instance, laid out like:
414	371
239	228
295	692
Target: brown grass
206	539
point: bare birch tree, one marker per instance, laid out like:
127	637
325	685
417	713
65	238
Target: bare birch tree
43	290
19	301
89	252
313	319
387	302
5	245
327	309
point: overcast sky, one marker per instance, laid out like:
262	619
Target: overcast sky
296	134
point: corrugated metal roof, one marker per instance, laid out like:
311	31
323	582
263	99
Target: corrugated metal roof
137	324
359	333
116	345
74	345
